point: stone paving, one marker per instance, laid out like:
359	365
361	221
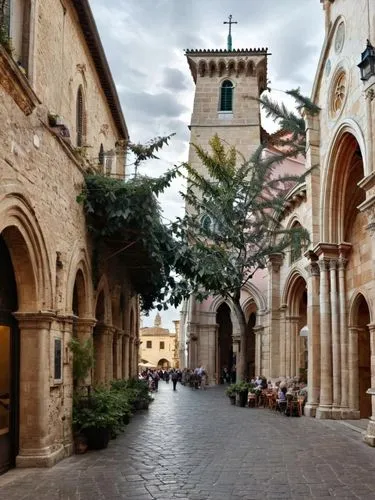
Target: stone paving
194	445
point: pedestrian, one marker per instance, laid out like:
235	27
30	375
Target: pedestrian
174	379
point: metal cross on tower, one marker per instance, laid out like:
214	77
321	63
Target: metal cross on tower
230	22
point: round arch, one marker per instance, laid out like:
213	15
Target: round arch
32	267
347	135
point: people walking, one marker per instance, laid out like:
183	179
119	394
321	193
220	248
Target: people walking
174	379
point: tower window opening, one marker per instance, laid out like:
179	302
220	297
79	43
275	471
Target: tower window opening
80	118
226	96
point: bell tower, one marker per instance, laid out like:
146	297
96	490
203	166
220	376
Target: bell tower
227	85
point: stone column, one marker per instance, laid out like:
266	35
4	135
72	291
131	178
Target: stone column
35	441
336	350
353	372
288	336
130	357
193	351
273	265
325	406
370	432
100	349
84	328
313	339
125	356
282	343
343	340
119	364
258	331
109	339
294	322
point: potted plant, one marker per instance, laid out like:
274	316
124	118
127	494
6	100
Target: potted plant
97	416
242	389
230	391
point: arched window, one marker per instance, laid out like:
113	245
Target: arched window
101	155
80	118
226	96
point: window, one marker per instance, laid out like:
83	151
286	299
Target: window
80	118
15	29
148	344
162	345
226	96
101	155
206	222
4	19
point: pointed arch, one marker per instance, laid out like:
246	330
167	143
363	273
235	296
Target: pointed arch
212	68
202	68
354	304
231	67
257	296
293	288
103	293
81	118
240	68
79	266
348	141
222	67
250	68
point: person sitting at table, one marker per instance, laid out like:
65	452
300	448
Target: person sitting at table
281	399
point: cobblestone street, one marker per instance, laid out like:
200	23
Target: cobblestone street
194	445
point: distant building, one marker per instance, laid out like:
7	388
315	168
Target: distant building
159	346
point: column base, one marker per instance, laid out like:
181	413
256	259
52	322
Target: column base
310	409
349	414
369	436
324	412
336	413
41	458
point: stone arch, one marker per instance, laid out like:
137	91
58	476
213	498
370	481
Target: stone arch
292	286
222	67
79	267
250	68
103	293
360	378
354	305
212	68
202	68
24	238
231	67
240	68
258	297
348	141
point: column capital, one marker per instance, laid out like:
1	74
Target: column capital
371	327
323	265
326	250
313	269
368	208
333	264
275	261
37	319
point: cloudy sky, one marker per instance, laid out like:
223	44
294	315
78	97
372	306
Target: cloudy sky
145	41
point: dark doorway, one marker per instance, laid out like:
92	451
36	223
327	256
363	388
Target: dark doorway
9	362
364	359
224	347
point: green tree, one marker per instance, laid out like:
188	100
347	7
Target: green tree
233	218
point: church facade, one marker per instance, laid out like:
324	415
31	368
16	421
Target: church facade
60	117
311	314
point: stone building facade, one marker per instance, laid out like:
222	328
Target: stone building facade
159	346
313	312
60	115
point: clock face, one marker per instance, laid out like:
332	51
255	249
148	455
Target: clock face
340	38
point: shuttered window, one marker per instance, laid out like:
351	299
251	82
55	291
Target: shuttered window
226	96
80	119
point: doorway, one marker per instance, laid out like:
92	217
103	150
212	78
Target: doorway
9	362
364	358
225	359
